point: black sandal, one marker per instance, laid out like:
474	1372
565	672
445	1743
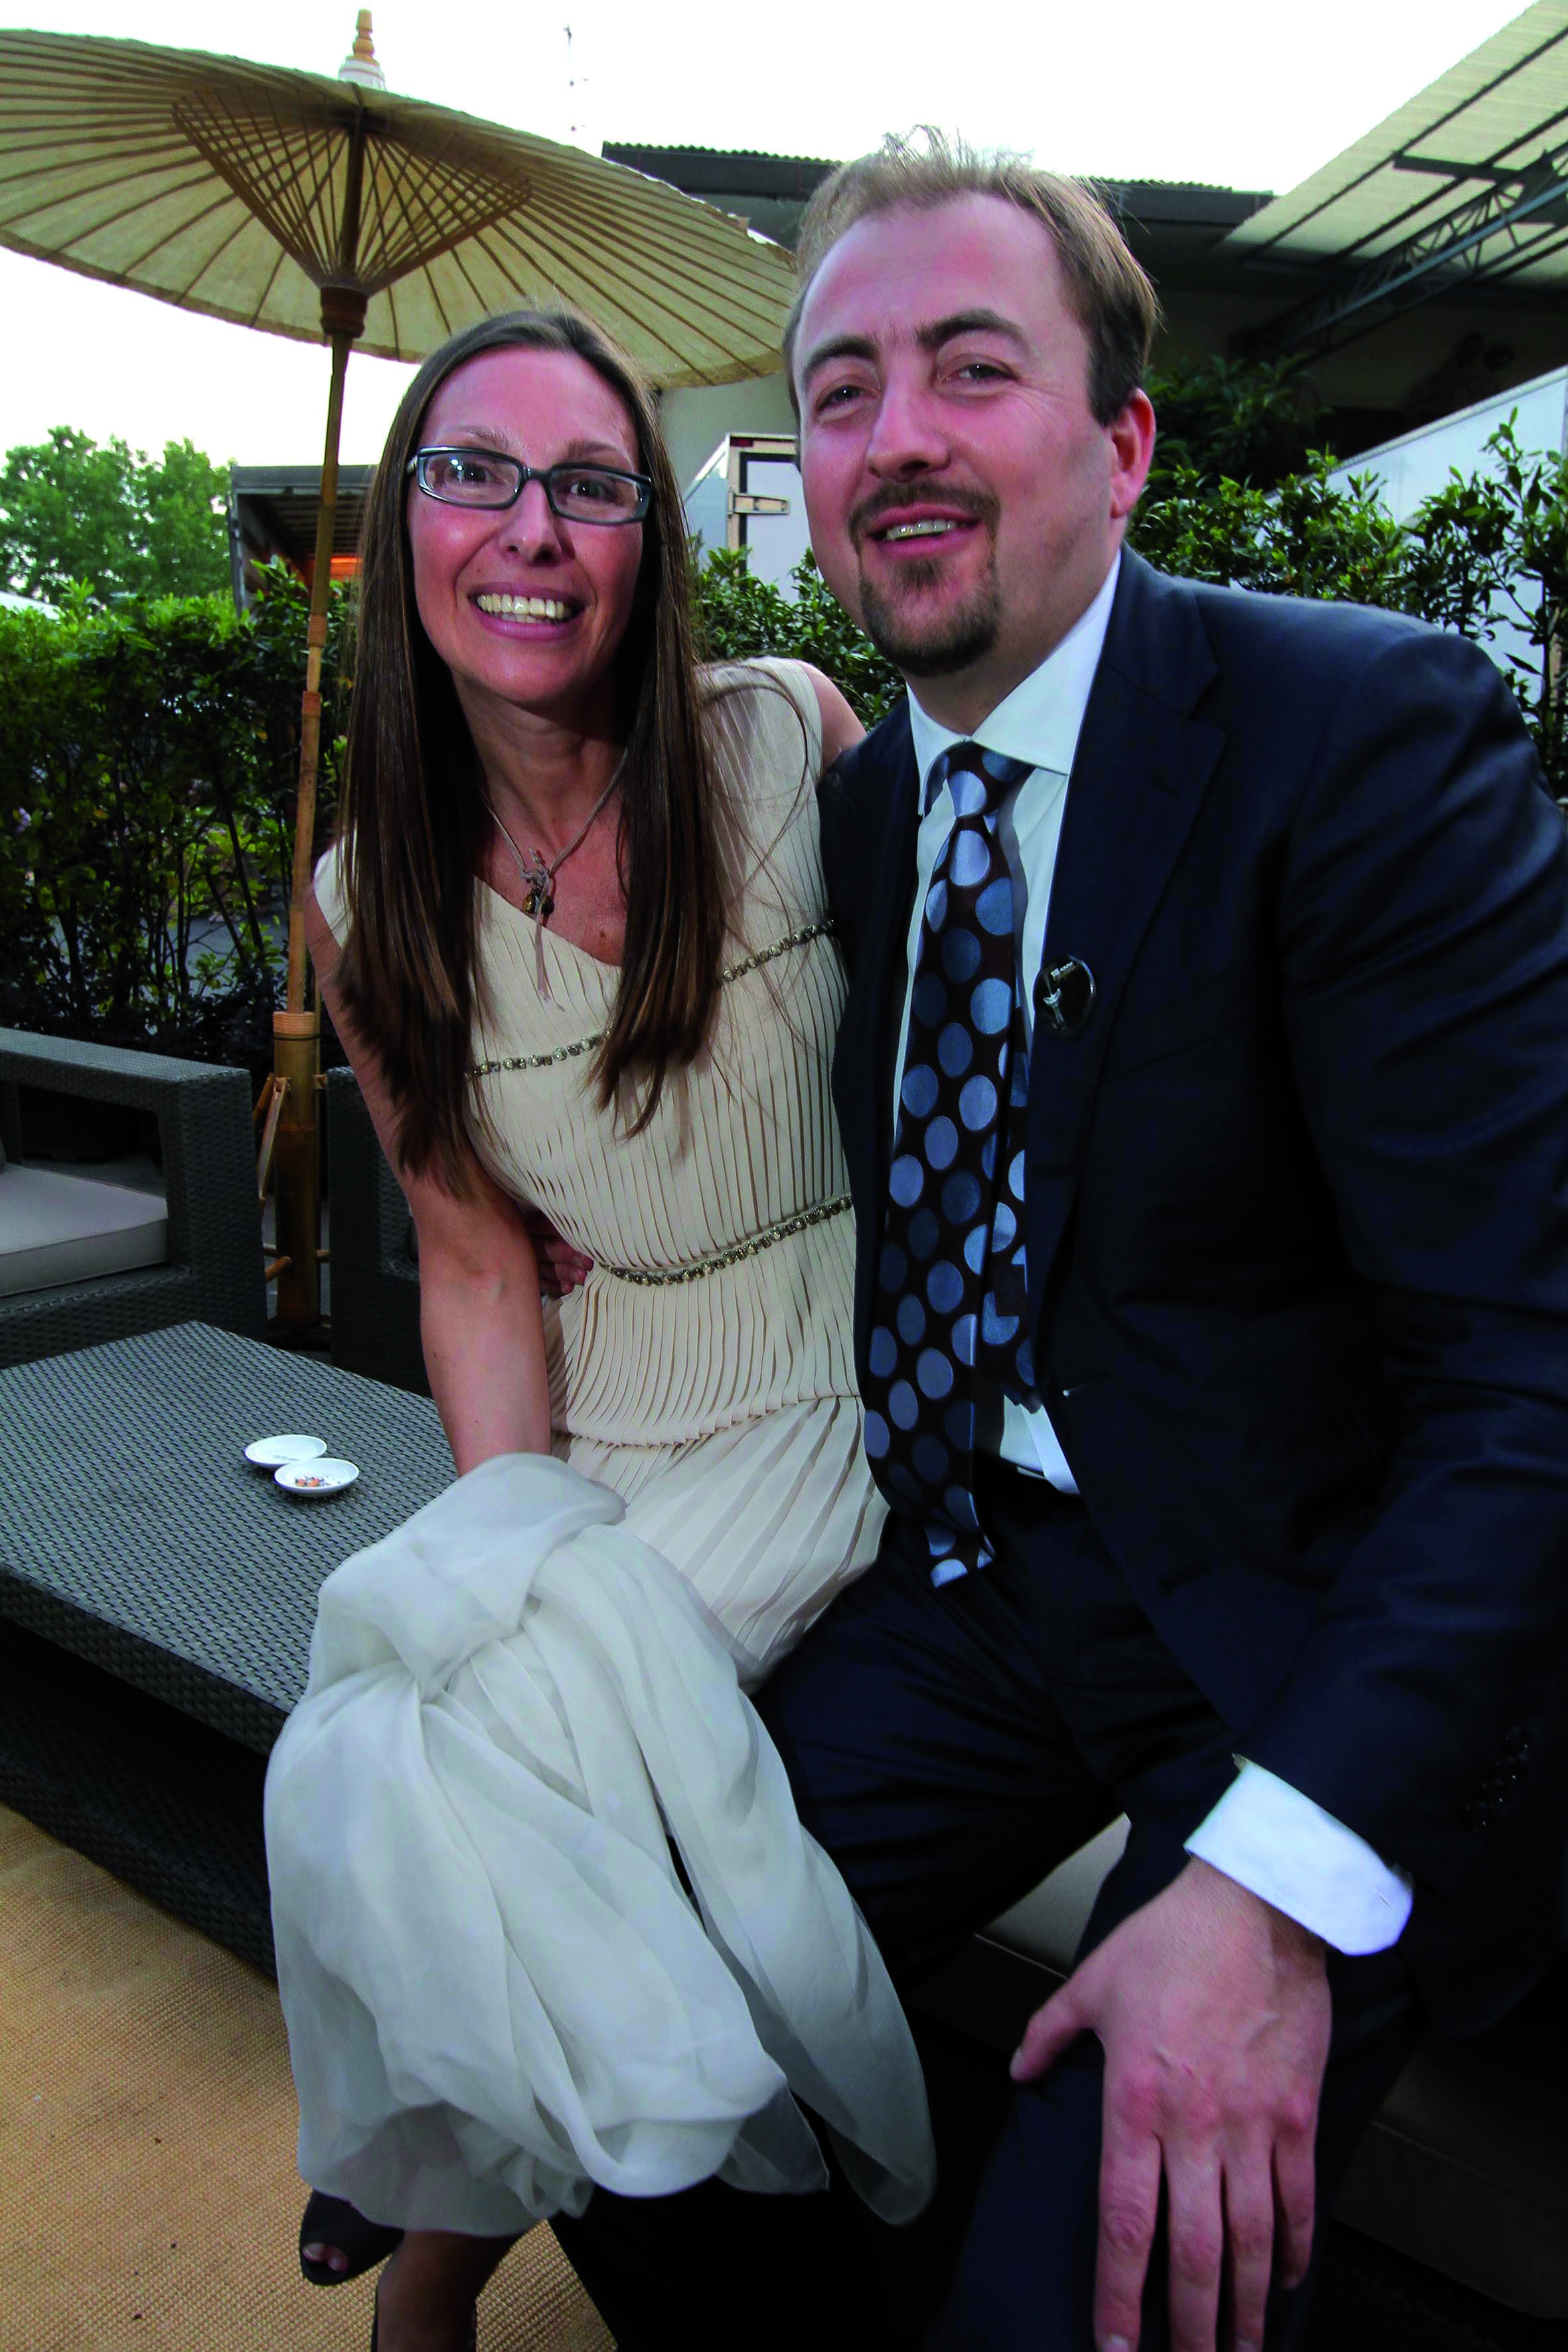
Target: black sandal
333	2222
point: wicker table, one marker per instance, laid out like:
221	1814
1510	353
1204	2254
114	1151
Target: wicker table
166	1591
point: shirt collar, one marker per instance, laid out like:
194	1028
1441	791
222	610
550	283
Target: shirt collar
1040	720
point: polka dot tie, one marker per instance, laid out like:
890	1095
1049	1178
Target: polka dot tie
949	1296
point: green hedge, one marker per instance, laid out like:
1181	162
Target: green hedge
1485	555
148	762
739	617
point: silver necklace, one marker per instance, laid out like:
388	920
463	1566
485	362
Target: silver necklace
539	872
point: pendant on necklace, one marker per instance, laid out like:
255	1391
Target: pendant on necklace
538	896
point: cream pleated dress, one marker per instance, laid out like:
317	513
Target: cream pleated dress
498	1990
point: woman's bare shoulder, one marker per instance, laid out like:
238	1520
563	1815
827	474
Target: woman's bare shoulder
840	726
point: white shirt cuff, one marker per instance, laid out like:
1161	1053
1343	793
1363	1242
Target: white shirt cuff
1285	1849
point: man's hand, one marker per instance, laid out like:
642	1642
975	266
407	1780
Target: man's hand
1213	2011
561	1267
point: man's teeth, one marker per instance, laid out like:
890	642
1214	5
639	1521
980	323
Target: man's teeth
932	529
524	608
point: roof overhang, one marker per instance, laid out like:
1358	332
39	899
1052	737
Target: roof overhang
1465	188
274	510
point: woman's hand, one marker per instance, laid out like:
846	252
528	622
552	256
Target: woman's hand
562	1267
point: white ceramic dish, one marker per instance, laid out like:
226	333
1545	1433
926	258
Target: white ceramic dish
267	1452
316	1476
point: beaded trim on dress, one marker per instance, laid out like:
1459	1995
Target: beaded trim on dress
737	1252
803	938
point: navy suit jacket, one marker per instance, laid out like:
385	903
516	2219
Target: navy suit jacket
1297	1212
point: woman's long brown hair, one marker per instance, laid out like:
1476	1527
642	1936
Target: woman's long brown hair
414	819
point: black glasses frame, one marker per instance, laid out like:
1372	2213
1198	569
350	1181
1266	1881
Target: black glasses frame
546	475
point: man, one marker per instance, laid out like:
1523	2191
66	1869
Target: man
1201	1084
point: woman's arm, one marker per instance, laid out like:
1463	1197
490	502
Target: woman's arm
479	1315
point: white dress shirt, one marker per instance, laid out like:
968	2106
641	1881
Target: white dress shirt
1263	1833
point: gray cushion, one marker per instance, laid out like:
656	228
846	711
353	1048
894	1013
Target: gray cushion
56	1228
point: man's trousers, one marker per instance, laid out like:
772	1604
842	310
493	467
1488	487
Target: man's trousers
948	1747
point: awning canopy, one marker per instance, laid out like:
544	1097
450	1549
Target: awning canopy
1467	181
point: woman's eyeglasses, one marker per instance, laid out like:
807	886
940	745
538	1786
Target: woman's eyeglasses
483	477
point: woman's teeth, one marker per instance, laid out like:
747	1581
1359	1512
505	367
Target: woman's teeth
524	608
932	529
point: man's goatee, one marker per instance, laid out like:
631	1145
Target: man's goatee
943	647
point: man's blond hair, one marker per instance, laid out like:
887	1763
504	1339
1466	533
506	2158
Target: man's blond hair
1110	294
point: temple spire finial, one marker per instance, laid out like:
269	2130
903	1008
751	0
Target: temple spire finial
361	65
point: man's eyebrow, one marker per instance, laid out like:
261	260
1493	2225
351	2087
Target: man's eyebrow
838	347
967	322
930	338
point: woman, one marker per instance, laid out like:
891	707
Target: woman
572	939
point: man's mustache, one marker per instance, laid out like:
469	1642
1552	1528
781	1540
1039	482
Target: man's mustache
975	504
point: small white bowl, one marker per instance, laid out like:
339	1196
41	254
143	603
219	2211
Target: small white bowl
314	1477
267	1452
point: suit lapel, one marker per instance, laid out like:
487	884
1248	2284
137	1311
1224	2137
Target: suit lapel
1142	765
883	821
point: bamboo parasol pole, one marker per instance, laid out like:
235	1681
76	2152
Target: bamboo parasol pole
297	1031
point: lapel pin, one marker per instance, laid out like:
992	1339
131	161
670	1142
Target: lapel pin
1064	997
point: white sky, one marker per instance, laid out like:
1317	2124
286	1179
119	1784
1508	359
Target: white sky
1246	93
